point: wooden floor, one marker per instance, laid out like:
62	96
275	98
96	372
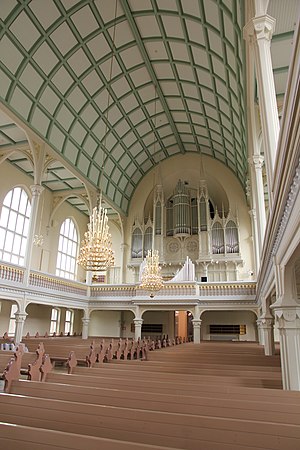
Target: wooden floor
210	396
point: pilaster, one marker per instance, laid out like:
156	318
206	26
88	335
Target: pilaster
259	332
289	331
36	190
267	330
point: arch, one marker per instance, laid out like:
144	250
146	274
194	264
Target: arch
64	199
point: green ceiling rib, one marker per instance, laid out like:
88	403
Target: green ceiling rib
152	74
55	79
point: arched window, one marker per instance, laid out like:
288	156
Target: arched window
69	321
217	235
232	237
137	244
67	250
54	322
14	225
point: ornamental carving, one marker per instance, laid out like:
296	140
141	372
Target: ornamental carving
173	247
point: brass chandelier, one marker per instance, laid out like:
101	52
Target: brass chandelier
96	252
151	279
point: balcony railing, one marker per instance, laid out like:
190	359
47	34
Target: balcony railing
47	284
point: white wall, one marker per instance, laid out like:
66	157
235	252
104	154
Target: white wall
247	318
105	323
5	308
38	319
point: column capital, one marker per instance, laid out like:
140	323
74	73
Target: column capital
252	213
258	161
196	323
267	322
258	28
20	317
288	317
36	189
85	320
138	322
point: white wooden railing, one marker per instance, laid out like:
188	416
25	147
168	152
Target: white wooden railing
47	284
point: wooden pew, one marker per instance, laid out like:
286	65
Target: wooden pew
165	386
268	380
182	431
16	437
226	405
27	358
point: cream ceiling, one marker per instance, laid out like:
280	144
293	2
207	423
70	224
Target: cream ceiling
128	85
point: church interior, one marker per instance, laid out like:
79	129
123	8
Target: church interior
149	209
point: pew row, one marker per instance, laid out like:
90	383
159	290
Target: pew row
268	380
176	430
231	405
16	437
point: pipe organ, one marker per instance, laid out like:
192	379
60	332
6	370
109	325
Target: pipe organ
188	224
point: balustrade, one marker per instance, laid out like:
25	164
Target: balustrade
196	290
51	283
11	273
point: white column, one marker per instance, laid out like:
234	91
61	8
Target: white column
259	332
138	328
20	320
123	262
289	331
85	327
36	190
267	330
258	161
258	32
196	330
252	213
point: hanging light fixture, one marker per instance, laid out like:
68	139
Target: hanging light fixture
96	254
151	279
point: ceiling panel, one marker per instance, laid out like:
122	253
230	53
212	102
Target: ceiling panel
128	83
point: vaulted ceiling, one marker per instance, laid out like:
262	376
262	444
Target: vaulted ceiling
126	85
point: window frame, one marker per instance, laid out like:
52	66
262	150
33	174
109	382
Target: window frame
17	208
65	260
